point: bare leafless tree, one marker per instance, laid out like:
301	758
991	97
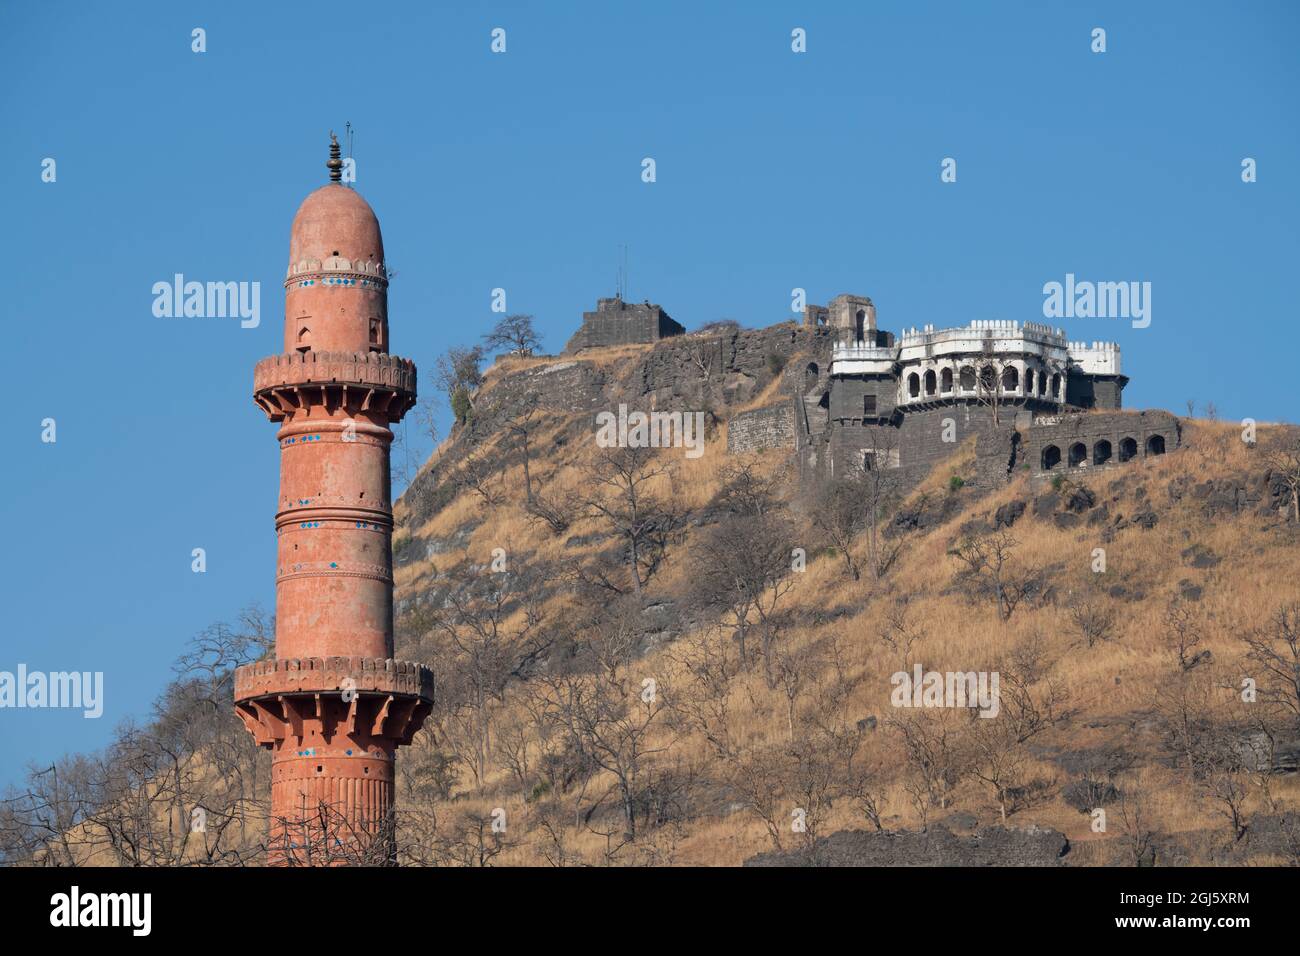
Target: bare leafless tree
175	790
1274	650
746	490
425	414
495	624
999	760
513	332
840	512
1183	631
1284	461
480	474
1030	701
990	384
1092	617
937	760
991	571
556	511
1138	833
1185	709
521	423
624	497
609	714
741	568
898	633
709	665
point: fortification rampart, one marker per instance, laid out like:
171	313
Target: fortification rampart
616	322
1054	444
761	429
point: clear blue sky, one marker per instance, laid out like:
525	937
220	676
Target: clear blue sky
522	171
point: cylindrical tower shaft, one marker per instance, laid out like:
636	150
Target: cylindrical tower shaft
334	706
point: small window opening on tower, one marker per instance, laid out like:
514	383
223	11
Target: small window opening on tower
304	339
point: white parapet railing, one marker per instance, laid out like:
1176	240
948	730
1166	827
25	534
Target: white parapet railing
862	359
863	353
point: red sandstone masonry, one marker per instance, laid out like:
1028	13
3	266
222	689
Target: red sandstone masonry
333	707
370	674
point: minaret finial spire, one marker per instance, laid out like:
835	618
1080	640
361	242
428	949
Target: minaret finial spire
335	164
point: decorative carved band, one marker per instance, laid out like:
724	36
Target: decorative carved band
319	509
332	266
345	569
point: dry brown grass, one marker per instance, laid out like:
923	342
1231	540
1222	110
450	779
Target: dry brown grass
771	393
1110	685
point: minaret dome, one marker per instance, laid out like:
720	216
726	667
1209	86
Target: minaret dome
336	287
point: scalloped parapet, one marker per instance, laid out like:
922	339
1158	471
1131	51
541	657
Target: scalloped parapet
362	368
371	675
370	380
337	265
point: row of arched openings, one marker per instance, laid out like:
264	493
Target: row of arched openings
1078	455
941	384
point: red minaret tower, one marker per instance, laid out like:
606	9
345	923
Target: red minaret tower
334	706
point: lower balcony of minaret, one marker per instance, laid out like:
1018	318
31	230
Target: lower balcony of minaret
288	704
333	726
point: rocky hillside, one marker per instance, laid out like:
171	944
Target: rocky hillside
646	657
689	656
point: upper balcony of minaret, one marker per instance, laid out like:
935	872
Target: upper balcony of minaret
336	351
371	385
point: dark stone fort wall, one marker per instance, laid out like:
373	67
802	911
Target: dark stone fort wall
1004	447
629	327
667	377
848	393
562	386
747	350
919	438
667	326
762	428
1094	391
672	371
1090	429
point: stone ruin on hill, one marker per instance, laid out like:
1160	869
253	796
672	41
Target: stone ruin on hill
616	322
869	399
865	398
